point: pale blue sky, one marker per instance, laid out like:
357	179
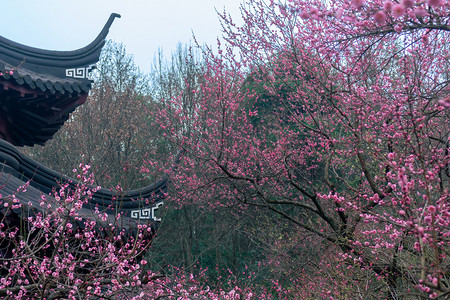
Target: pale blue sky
145	26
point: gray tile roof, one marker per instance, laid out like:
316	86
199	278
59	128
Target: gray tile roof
16	169
40	88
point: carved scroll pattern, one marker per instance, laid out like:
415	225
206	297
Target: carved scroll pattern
146	213
85	72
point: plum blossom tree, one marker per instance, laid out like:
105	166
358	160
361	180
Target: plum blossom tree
56	252
354	154
191	238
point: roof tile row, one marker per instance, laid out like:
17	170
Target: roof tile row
41	82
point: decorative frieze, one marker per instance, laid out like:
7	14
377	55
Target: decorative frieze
81	73
146	213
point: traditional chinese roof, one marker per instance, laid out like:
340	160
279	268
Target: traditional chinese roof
18	170
40	88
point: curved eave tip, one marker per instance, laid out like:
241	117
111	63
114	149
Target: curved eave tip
108	24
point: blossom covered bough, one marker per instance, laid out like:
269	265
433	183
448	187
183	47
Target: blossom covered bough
334	116
59	254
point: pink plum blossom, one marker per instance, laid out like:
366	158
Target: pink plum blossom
387	6
380	17
398	10
304	15
358	4
434	3
408	3
445	102
420	12
432	209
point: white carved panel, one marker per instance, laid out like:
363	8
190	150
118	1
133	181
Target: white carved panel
146	213
84	72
